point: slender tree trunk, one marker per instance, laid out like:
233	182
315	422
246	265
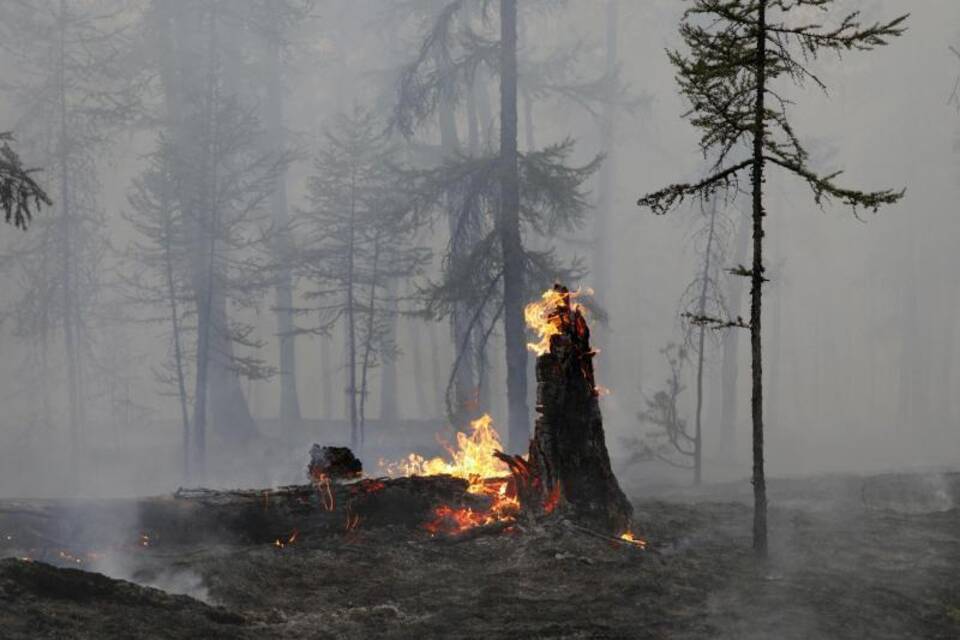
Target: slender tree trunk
460	244
389	411
206	227
600	265
69	326
509	231
729	369
175	328
351	346
368	343
326	379
416	357
756	292
283	292
528	132
701	343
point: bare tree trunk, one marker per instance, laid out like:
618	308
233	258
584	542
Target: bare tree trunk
756	291
177	338
67	293
368	343
600	264
729	369
416	355
228	403
389	412
701	343
326	379
351	346
283	291
459	246
509	231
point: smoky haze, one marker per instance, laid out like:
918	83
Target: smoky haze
860	326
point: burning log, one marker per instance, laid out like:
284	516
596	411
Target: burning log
568	466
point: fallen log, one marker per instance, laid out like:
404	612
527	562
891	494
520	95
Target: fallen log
44	529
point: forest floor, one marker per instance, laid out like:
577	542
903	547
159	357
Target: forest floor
843	564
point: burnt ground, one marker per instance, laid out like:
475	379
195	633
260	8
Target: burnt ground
845	563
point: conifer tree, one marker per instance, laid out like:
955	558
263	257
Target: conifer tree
738	50
355	242
20	195
495	199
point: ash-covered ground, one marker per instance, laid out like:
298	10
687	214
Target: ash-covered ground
851	558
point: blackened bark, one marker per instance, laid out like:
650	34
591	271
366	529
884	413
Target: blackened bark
568	465
509	231
756	291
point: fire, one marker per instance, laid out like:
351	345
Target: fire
282	543
473	460
627	536
544	316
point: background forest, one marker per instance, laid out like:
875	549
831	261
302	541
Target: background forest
274	222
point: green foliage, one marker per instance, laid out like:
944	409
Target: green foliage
20	195
723	71
552	200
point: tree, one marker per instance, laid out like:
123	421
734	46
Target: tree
156	276
272	20
223	179
670	440
703	300
20	195
73	90
354	245
738	49
492	198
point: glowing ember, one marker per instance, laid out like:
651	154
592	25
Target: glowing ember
281	543
552	500
627	536
544	316
322	482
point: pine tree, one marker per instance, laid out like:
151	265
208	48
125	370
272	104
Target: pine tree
221	180
72	90
493	198
355	243
20	195
701	301
155	276
738	49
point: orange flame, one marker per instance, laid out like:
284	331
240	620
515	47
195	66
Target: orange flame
627	536
473	460
543	316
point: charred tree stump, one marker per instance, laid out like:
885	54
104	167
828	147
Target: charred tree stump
568	466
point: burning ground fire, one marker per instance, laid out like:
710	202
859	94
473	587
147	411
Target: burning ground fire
473	458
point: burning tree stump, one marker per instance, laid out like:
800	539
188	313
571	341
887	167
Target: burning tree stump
568	464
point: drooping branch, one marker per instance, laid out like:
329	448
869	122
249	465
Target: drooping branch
824	188
662	201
